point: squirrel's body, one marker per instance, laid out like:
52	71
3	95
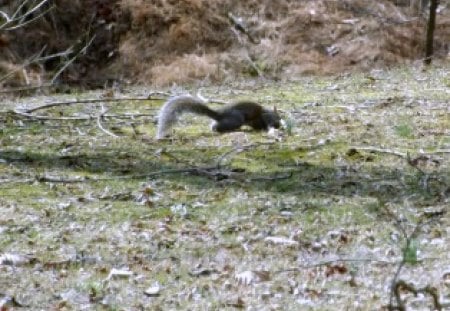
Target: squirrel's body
228	119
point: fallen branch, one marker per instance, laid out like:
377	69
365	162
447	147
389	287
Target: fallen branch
84	101
30	116
208	171
101	100
58	179
47	118
271	178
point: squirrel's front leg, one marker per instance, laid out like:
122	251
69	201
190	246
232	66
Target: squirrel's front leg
228	124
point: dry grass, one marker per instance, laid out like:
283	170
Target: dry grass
189	68
295	38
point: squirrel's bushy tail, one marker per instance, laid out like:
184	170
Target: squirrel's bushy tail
178	105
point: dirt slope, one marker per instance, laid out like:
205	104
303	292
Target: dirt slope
163	42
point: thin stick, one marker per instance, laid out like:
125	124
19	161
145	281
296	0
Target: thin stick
99	100
20	19
58	179
380	150
86	101
22	24
88	117
83	50
99	123
33	117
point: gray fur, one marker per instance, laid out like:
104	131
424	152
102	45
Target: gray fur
175	106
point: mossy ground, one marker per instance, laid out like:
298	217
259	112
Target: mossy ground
324	185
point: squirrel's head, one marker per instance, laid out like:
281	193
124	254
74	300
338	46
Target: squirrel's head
271	118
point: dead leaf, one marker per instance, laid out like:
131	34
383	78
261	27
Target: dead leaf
335	268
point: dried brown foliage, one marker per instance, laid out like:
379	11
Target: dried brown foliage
163	42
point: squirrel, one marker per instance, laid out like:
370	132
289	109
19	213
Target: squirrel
227	119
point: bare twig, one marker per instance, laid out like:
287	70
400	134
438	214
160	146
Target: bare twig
398	222
67	64
99	123
153	93
5	16
21	6
85	101
381	150
254	66
22	24
20	20
240	26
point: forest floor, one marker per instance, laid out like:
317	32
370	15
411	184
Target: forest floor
333	212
